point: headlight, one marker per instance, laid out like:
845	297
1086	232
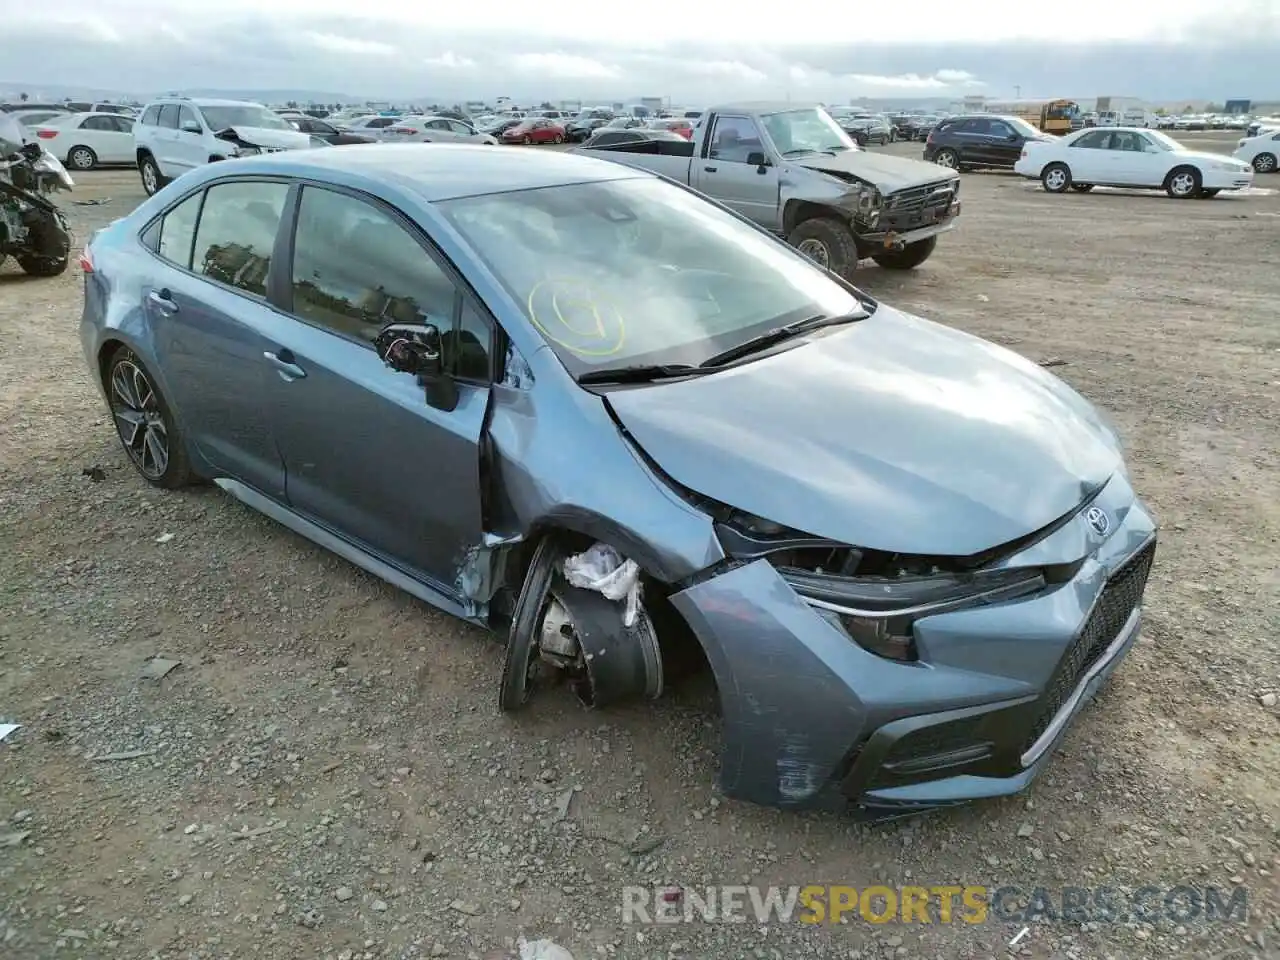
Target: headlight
871	597
879	612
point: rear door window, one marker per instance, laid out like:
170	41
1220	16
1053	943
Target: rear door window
237	233
178	231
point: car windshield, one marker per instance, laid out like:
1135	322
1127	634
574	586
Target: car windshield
220	118
1024	128
639	271
811	130
1163	141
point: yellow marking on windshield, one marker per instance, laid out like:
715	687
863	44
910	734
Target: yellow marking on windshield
568	313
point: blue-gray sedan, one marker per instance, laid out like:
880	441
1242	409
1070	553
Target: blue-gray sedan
618	424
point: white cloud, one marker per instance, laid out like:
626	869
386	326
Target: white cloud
450	60
940	81
336	44
728	69
565	66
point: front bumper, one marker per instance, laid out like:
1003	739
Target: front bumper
811	719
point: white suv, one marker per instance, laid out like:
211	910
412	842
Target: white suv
177	134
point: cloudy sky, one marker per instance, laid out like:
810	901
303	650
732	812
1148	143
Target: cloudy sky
691	52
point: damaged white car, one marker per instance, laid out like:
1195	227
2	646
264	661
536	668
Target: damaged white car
176	134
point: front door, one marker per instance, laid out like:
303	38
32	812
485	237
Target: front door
725	174
365	454
189	147
1004	144
1138	161
1089	159
208	314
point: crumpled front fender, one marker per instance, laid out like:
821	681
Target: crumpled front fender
788	718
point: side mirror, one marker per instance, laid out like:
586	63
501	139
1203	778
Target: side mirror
757	159
416	348
191	127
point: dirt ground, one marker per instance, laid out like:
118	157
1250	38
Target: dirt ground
326	774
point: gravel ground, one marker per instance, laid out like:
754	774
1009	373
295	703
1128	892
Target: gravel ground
326	775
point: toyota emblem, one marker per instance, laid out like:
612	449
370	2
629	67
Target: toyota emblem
1098	519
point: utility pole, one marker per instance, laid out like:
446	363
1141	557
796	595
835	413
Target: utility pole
1017	92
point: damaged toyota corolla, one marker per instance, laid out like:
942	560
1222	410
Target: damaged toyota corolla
618	424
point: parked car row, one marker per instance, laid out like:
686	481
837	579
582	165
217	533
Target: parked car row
1098	156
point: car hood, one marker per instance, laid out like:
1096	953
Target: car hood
271	139
888	173
1201	156
892	433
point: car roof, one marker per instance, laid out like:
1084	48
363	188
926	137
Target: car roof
207	102
440	171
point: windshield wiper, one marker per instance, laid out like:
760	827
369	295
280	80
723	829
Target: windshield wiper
639	373
777	335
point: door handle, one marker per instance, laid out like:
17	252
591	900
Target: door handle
710	169
285	365
163	301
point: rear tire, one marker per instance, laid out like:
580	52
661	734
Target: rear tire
50	246
145	423
1183	183
827	242
152	179
1056	178
946	157
909	257
81	158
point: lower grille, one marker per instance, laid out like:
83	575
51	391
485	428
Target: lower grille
1122	593
918	206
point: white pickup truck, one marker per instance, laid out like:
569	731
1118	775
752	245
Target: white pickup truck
794	171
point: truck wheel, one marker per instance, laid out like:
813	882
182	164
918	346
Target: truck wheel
827	242
909	257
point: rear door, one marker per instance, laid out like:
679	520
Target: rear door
207	312
365	454
102	134
722	170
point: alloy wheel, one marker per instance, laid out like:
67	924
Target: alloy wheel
81	158
139	421
149	179
1183	184
1264	163
1056	179
946	159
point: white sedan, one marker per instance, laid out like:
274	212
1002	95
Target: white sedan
430	129
1130	157
1260	152
86	140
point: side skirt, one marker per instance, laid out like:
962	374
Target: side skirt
344	548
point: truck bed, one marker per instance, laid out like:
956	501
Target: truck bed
667	158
